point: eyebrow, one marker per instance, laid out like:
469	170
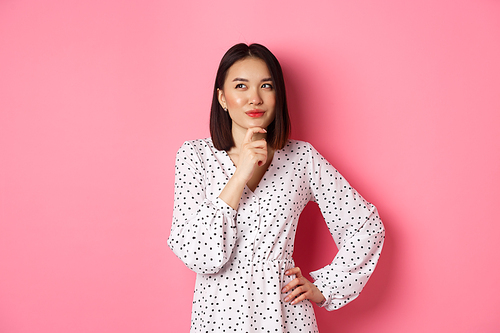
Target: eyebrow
240	79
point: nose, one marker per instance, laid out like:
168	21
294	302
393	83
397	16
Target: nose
255	97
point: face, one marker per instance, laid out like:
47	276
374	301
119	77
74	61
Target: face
248	94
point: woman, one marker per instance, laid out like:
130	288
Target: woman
238	197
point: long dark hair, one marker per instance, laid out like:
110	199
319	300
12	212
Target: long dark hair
220	121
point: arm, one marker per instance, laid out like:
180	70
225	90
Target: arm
251	155
356	229
203	231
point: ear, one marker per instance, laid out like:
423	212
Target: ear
222	99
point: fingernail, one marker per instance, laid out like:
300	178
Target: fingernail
264	130
287	272
287	298
293	303
283	290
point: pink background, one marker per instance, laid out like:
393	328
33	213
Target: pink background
97	96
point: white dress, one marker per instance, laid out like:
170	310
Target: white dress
240	256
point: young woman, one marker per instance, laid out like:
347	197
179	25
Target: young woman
238	197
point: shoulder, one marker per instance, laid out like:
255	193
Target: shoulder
298	147
304	153
293	145
196	144
296	152
203	148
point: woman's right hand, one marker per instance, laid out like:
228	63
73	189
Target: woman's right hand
251	154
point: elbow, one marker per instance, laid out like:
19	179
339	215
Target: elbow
199	260
375	226
209	266
203	264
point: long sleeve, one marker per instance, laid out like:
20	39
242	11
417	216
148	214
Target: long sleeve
203	230
355	227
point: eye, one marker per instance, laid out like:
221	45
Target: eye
240	86
267	86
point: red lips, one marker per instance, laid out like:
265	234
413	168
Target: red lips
255	113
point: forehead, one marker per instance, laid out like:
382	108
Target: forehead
249	68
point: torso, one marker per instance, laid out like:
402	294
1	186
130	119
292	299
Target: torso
245	294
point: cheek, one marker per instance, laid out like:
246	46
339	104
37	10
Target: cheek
271	98
271	101
233	100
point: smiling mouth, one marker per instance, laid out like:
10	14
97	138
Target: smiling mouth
255	113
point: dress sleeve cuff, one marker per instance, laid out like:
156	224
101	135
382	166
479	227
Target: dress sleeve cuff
225	208
325	290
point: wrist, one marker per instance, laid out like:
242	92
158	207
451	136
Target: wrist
238	179
231	194
321	303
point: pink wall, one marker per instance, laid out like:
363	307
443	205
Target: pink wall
96	97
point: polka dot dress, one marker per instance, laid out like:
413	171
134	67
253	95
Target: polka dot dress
240	256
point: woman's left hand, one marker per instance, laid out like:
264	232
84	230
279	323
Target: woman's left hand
302	288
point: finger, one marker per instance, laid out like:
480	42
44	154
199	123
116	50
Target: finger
295	293
257	152
292	284
261	144
292	271
259	159
251	131
299	299
263	156
295	270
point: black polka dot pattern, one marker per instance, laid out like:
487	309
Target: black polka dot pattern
241	255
